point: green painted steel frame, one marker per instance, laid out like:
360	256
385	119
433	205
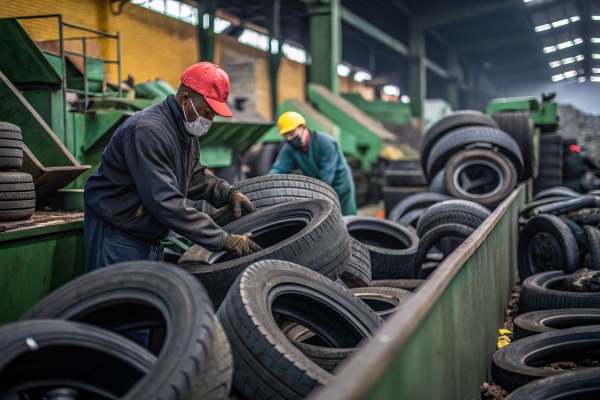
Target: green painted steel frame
34	262
441	344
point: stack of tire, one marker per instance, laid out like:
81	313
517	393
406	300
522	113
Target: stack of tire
557	329
551	162
467	156
17	192
401	179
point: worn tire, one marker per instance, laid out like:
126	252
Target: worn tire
566	206
539	292
593	235
394	195
501	181
385	301
17	196
445	231
581	237
110	298
535	322
546	244
579	384
482	137
392	246
558	191
419	200
437	184
404	178
551	162
310	233
358	270
61	351
267	191
519	125
527	210
411	218
267	364
586	216
511	365
461	212
266	158
450	122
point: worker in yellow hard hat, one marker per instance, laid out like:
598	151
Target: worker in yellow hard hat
318	155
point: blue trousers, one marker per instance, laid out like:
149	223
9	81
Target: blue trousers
106	245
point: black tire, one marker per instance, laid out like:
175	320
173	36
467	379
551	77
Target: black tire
546	244
484	137
309	232
593	235
362	190
519	125
558	191
452	234
11	153
358	271
392	246
407	284
267	191
394	195
586	216
527	210
266	158
232	173
482	176
437	184
580	235
461	212
516	365
217	377
411	218
419	200
404	178
450	122
535	322
11	196
173	303
565	206
17	196
267	364
541	292
16	182
551	163
385	301
6	128
580	384
38	356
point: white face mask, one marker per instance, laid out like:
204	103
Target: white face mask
199	127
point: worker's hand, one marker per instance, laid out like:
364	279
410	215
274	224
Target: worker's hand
240	245
239	203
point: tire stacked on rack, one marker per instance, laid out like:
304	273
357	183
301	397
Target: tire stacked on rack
551	162
17	192
402	179
467	156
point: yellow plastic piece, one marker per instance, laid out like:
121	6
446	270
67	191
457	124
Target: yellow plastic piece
391	153
504	331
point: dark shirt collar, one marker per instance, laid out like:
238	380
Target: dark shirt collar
177	114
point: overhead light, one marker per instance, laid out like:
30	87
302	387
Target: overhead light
361	76
541	28
221	24
581	79
527	1
293	53
405	99
575	18
254	39
578	41
275	47
570	74
343	70
555	64
560	23
596	56
391	90
580	57
596	70
549	49
596	17
595	40
564	45
557	78
595	78
568	60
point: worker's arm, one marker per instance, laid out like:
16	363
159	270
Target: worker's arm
328	160
152	169
284	163
205	186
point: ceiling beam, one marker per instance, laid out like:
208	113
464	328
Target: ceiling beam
430	20
489	44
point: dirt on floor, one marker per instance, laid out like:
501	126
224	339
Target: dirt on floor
492	392
567	365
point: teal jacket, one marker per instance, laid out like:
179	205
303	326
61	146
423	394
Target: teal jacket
324	161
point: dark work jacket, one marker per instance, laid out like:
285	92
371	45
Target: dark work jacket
149	168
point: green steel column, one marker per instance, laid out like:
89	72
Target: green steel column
417	71
206	29
455	77
325	41
273	25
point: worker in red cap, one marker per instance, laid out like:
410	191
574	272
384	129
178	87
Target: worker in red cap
149	170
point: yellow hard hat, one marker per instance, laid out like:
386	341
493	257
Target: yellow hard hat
289	121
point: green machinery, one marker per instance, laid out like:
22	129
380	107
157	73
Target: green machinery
386	112
544	114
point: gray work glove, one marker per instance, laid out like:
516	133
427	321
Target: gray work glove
239	203
240	245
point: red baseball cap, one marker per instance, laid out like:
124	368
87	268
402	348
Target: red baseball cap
210	81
